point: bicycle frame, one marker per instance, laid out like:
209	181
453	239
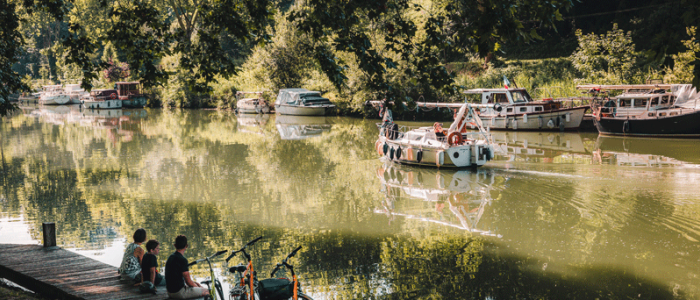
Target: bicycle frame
284	263
249	268
214	282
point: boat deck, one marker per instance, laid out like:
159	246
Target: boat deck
59	273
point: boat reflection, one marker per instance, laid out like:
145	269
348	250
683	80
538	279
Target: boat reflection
252	123
646	152
544	146
452	198
301	127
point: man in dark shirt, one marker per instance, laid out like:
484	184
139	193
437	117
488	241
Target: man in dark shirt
177	274
149	264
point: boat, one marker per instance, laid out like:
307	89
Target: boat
458	148
53	95
301	127
647	110
521	112
130	94
75	92
302	102
252	105
102	99
451	198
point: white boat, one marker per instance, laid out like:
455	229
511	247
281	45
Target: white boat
75	92
102	99
53	95
521	112
252	105
302	102
422	146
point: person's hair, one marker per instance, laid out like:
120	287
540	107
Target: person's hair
140	235
152	244
180	242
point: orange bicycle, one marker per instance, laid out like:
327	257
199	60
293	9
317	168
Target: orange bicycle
282	288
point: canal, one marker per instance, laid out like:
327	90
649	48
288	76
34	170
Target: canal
554	216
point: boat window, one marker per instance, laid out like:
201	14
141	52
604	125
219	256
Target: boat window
500	98
510	110
520	96
655	101
651	114
662	114
673	113
523	109
640	102
538	108
625	102
664	100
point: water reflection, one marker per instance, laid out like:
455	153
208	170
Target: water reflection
301	127
543	147
252	123
451	198
645	152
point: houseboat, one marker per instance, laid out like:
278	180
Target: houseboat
521	112
648	110
130	94
53	95
102	99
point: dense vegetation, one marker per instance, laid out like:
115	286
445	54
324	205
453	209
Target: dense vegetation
197	53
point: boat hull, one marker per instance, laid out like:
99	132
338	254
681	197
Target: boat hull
321	110
465	156
55	100
134	102
245	108
682	125
564	119
103	104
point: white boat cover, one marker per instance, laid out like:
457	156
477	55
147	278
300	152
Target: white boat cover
686	96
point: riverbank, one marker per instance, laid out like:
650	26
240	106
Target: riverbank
14	293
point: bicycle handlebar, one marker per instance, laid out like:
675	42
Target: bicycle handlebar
284	262
210	257
243	249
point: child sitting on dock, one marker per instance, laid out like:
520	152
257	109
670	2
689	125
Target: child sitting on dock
130	268
149	264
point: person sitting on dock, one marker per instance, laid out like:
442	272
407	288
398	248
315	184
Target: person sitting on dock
149	265
130	268
178	281
439	132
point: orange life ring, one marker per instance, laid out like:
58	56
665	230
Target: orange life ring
113	96
455	138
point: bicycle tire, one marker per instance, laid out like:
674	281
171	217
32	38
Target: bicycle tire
219	290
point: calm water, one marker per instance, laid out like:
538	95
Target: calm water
555	216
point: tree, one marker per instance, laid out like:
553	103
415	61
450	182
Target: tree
612	53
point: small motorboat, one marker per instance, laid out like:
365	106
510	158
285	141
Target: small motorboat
251	105
302	102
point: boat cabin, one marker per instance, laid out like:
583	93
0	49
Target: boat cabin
104	94
127	89
635	105
301	97
513	101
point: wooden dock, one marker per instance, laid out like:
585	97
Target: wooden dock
61	274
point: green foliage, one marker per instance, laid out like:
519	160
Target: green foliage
607	55
683	63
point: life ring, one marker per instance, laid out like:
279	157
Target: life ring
113	96
455	138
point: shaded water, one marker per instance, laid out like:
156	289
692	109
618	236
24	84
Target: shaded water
554	216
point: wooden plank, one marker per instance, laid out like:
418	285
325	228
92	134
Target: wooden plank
59	273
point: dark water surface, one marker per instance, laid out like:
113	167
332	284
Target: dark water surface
555	216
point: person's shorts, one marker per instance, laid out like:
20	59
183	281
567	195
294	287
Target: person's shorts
188	292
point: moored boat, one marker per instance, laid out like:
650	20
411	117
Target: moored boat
521	112
75	92
302	102
53	95
648	110
130	94
456	147
252	105
102	99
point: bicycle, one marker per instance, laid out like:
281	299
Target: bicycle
247	287
213	284
278	288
